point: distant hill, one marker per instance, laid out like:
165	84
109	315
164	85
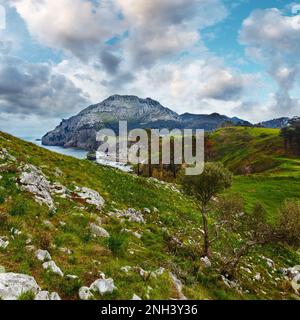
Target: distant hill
275	123
80	130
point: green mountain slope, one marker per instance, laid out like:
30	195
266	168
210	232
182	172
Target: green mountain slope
170	238
263	171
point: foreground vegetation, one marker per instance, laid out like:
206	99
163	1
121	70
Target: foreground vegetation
172	235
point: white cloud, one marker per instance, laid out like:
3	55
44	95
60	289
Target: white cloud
78	26
272	39
27	88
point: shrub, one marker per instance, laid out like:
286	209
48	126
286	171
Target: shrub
45	241
29	295
3	219
289	223
117	243
19	208
2	198
230	207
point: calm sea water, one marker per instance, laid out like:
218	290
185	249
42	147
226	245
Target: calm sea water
79	154
76	153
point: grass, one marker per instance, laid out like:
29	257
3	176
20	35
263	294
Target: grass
177	216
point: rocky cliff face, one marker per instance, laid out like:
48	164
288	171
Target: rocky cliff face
80	130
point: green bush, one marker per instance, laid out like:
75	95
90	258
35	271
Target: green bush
29	295
117	243
18	208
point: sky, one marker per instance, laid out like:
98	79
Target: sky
238	58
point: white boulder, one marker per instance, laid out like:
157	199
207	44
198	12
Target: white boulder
51	266
206	262
85	293
34	181
98	231
3	244
45	295
90	196
178	285
12	285
103	286
43	255
136	297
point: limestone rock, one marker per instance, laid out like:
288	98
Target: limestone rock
85	293
3	244
45	295
43	255
178	285
206	262
51	265
12	285
136	297
103	286
90	196
98	231
34	181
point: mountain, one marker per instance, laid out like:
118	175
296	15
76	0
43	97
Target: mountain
209	122
80	131
275	123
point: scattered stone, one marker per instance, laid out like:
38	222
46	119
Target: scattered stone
98	231
34	181
58	172
146	211
269	262
12	285
296	284
48	224
135	297
51	265
62	223
131	214
229	284
43	255
5	155
178	285
103	286
30	248
294	275
71	277
55	296
133	233
65	251
206	262
3	244
126	269
90	196
257	277
59	190
15	232
45	295
85	293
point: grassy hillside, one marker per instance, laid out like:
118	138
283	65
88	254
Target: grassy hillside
171	237
272	175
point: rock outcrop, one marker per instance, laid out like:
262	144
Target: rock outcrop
12	285
34	181
80	131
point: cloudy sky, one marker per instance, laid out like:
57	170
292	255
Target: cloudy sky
234	57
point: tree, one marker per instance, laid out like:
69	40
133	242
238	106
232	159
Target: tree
214	179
